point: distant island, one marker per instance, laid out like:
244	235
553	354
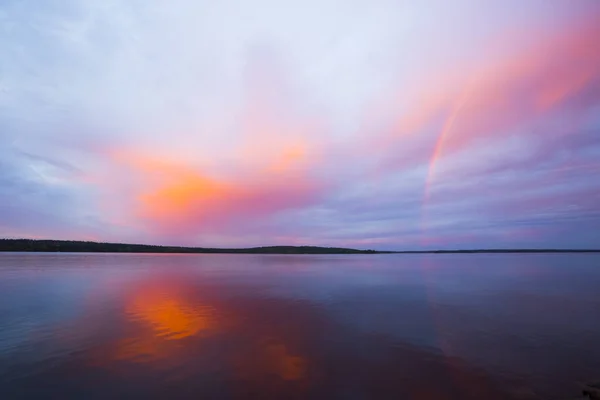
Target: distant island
72	246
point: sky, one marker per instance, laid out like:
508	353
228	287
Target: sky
375	124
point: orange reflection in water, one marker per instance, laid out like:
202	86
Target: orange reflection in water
172	323
187	331
267	360
161	314
168	315
279	361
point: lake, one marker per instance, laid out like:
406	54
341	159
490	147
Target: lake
453	326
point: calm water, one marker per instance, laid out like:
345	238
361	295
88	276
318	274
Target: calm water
106	326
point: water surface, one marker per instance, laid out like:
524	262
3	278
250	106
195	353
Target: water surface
122	326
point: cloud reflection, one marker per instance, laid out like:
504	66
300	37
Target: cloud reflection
242	327
168	314
192	329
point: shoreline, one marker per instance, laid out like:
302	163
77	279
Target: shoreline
67	246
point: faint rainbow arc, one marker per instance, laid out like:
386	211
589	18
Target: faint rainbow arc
438	150
440	141
444	346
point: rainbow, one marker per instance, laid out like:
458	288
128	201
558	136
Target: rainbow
441	140
438	150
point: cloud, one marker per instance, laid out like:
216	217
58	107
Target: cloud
177	199
35	201
376	123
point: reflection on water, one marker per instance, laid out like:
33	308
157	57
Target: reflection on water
161	314
166	309
298	327
168	315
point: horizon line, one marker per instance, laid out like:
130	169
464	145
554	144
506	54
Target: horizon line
273	247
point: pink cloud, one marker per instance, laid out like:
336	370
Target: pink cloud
173	197
482	100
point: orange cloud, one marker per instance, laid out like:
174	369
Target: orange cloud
177	197
264	161
183	196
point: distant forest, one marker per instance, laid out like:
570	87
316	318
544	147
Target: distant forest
72	246
95	247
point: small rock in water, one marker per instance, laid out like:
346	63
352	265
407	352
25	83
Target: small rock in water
592	391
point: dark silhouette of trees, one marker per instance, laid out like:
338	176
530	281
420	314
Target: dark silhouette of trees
23	245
